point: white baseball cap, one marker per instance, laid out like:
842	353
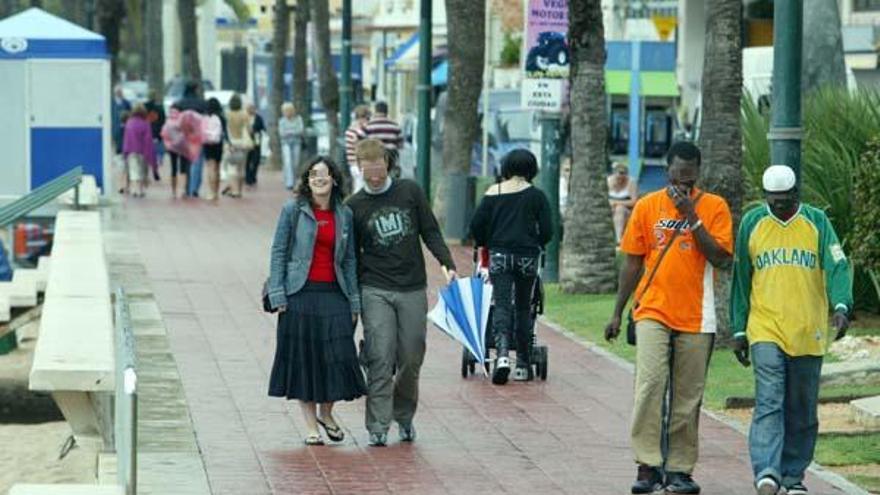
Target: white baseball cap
779	178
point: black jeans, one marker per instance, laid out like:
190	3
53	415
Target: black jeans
513	284
251	165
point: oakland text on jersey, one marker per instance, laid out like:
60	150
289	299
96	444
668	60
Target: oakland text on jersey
786	257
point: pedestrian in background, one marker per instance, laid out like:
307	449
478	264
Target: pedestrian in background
156	118
513	221
239	143
622	195
789	266
392	218
256	129
386	130
356	133
677	237
192	101
290	132
313	284
214	139
137	149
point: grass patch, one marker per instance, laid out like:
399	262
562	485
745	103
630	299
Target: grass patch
586	315
840	450
870	483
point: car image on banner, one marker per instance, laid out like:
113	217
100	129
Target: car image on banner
550	54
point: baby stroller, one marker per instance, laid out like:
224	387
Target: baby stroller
538	353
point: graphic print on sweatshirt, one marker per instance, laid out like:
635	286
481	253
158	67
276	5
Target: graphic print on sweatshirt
390	225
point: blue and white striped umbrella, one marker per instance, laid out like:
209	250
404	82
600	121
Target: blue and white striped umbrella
462	312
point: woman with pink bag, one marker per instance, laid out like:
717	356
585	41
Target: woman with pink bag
182	136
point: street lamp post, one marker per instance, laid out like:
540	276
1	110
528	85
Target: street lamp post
424	92
785	120
345	92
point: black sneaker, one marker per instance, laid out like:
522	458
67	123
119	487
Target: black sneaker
681	483
502	370
648	480
796	489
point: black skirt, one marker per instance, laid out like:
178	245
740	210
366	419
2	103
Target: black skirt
315	355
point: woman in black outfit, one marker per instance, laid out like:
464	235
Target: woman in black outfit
214	151
513	221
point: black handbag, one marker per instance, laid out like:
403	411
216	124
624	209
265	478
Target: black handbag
267	306
630	322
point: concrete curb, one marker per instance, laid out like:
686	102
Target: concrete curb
818	470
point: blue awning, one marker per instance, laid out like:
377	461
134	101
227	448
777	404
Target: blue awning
410	44
440	74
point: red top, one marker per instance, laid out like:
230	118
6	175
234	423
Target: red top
322	258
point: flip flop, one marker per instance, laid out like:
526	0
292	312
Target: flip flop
314	439
334	433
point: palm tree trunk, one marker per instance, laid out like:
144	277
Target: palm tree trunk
108	18
301	60
588	245
466	24
153	46
75	11
327	76
823	63
280	38
721	134
192	70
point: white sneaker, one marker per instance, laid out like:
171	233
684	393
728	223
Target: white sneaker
767	486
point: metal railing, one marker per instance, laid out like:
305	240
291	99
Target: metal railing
125	411
40	196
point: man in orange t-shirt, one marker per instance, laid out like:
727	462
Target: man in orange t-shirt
674	314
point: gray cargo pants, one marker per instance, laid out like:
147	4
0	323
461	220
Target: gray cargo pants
394	334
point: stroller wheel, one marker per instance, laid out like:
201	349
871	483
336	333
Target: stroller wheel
542	362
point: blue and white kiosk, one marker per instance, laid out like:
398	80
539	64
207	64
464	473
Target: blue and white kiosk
55	98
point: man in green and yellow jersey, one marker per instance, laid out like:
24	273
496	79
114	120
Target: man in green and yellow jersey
789	268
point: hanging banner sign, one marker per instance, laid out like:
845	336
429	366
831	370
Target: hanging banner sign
546	61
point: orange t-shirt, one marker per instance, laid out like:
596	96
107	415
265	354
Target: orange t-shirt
682	294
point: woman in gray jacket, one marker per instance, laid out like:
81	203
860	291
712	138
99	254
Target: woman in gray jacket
313	285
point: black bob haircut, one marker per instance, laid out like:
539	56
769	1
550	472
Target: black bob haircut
519	163
684	150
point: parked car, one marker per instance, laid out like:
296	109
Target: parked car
135	91
174	90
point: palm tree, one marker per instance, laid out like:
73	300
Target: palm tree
186	11
301	60
588	245
109	15
720	133
823	62
75	12
280	38
465	21
153	46
327	75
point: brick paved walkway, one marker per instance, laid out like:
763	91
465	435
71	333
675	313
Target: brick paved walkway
206	263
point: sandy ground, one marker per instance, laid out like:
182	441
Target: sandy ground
30	455
832	418
29	452
857	348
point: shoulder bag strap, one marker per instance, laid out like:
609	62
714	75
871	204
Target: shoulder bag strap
660	259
